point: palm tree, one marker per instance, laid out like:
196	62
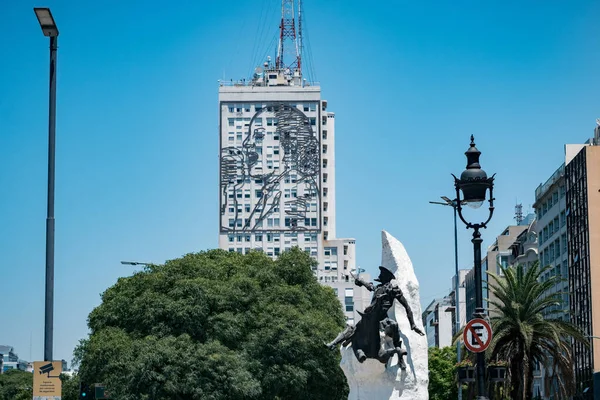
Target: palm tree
523	337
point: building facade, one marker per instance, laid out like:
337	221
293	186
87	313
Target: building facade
462	301
582	182
277	177
438	323
525	247
10	359
551	211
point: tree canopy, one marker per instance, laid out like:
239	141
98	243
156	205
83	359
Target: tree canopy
16	385
216	325
442	375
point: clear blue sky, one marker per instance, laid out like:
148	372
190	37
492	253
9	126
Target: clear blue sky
137	149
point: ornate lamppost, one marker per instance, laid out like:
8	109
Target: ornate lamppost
474	184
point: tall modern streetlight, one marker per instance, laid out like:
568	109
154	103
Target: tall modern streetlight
49	29
474	184
452	203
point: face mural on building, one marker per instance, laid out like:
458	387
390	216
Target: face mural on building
273	175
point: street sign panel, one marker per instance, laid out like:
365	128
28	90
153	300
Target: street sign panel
477	335
46	380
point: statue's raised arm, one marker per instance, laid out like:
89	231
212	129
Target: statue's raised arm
360	282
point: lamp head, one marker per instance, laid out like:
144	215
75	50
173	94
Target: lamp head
46	21
473	181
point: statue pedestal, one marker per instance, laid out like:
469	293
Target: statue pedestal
371	380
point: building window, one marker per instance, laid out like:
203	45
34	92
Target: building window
345	250
349	299
258	237
230	237
324	135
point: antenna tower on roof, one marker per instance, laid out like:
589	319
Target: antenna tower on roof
290	44
519	213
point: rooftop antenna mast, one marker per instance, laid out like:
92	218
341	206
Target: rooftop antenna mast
519	213
288	41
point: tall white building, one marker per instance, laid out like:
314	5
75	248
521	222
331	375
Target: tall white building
277	176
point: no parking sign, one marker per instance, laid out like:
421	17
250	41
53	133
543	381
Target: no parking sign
477	335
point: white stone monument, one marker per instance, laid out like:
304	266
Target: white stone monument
372	380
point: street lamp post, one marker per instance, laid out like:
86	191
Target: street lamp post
49	29
452	203
474	184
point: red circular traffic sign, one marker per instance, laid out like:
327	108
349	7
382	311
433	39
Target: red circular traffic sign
477	335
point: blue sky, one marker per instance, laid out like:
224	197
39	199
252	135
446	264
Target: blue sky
137	133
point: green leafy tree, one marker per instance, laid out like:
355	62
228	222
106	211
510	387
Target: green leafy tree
442	373
70	387
217	325
523	337
16	385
